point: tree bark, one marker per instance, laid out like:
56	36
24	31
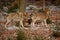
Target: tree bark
22	5
57	2
43	4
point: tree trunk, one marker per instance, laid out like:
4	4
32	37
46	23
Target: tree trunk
22	5
43	4
57	2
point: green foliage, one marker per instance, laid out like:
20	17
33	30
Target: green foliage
56	30
20	35
48	21
38	38
56	27
9	38
13	9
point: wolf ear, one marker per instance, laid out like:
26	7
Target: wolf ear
47	10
